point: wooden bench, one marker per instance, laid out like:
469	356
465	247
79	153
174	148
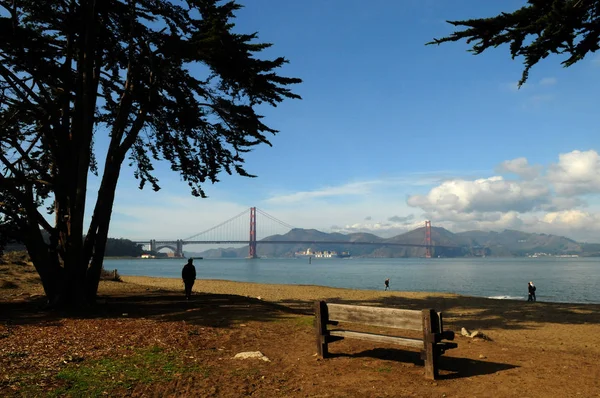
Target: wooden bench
428	321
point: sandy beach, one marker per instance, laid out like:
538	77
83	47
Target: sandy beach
275	293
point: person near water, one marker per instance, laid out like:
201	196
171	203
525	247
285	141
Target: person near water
387	283
188	274
531	291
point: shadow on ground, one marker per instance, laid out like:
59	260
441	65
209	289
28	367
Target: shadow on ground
222	310
450	367
215	310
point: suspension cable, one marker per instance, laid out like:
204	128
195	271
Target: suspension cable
217	226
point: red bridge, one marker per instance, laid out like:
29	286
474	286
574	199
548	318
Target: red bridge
271	229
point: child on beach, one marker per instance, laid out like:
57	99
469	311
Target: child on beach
387	283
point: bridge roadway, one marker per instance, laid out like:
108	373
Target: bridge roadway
320	242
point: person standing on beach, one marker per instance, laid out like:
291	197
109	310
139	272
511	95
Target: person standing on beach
387	283
531	291
188	274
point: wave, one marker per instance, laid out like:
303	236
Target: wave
507	297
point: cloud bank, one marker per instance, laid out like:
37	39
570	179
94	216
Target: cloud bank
560	198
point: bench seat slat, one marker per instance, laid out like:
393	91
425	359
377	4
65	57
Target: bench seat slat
378	338
376	316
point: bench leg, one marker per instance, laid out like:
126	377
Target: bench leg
431	354
321	328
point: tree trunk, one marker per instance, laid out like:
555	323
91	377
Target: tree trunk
98	232
48	267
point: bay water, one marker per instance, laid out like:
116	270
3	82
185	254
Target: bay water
570	280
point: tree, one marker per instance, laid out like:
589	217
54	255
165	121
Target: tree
122	247
541	28
162	80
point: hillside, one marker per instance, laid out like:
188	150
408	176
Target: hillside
508	243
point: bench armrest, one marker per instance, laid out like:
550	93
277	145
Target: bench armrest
445	335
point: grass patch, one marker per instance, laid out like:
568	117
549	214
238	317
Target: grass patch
384	369
26	384
111	375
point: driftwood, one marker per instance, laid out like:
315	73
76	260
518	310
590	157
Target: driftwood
428	321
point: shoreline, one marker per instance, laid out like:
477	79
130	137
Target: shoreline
275	292
284	292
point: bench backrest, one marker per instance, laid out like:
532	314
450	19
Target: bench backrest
375	316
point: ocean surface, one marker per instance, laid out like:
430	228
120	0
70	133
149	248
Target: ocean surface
571	280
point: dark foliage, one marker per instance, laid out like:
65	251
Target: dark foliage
122	248
541	28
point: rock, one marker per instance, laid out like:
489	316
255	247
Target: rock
481	356
252	354
465	332
479	335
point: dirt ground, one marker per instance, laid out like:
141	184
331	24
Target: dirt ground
145	340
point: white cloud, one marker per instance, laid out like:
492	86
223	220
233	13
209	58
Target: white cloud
356	188
381	229
560	203
576	224
576	173
482	195
572	218
520	167
359	188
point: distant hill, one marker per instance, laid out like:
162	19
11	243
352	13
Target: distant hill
508	243
517	243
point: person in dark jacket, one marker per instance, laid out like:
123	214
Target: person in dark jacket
531	290
188	274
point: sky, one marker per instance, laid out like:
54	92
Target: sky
391	132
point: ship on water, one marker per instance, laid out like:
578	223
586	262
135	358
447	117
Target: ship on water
320	254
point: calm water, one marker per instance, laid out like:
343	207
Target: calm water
574	280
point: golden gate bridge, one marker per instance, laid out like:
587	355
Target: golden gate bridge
244	229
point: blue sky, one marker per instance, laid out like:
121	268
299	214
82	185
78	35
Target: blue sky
391	132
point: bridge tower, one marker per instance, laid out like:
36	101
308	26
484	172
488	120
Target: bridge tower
428	239
152	245
252	243
179	251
